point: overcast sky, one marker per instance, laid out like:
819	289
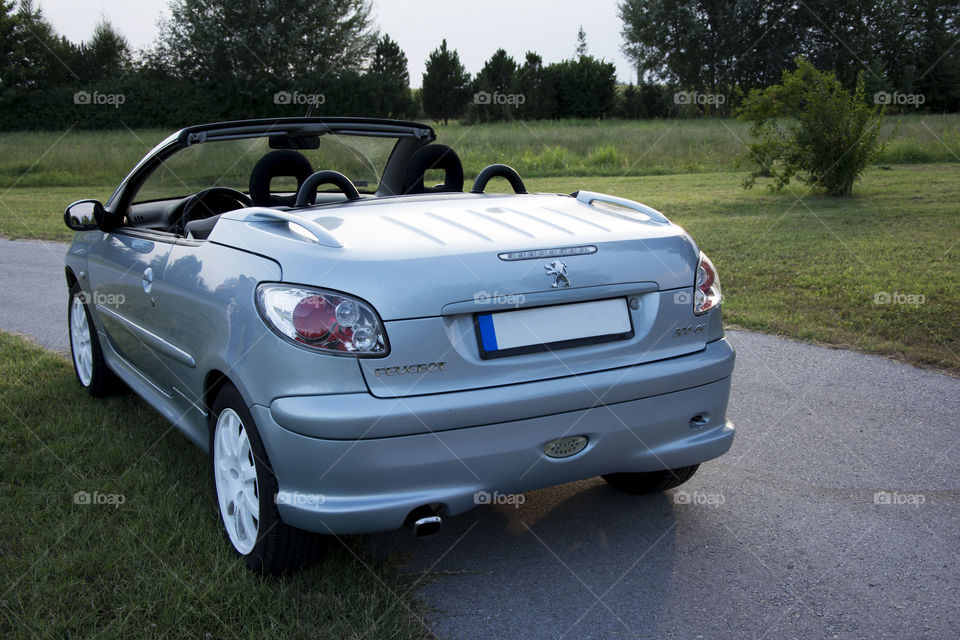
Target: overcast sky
474	29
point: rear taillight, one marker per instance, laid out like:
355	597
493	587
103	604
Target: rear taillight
322	320
706	293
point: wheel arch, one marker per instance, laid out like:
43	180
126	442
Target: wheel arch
214	381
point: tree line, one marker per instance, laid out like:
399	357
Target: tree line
215	60
907	50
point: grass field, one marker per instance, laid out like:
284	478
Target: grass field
148	562
535	149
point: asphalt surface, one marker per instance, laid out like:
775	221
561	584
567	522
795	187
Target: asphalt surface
33	291
835	515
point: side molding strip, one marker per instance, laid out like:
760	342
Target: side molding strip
155	341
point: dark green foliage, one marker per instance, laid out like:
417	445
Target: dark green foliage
10	42
729	48
584	87
219	60
646	101
537	88
106	56
446	85
38	57
211	63
809	125
496	92
253	48
389	81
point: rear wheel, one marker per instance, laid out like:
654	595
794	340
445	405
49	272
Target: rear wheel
244	487
651	481
85	351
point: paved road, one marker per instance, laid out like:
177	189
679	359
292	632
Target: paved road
780	538
787	536
33	291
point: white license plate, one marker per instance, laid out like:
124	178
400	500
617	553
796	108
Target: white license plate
546	328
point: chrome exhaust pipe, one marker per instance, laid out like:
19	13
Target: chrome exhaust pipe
424	521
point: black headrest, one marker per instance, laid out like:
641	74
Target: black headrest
434	156
280	163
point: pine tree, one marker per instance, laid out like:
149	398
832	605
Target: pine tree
446	85
389	80
581	42
496	79
106	55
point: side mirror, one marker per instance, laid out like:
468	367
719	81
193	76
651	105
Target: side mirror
84	215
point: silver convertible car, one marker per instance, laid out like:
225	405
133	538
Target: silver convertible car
360	342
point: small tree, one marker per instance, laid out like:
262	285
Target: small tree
809	124
581	43
389	80
446	85
536	87
585	87
106	55
497	78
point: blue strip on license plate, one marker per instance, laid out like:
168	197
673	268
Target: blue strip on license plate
488	334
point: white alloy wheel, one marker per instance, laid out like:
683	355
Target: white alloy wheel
235	474
80	341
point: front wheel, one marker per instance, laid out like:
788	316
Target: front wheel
651	481
244	487
85	351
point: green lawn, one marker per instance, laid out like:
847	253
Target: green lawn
810	266
155	565
37	212
660	147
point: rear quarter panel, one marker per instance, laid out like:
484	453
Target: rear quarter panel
211	313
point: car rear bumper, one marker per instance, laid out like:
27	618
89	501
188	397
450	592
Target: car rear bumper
360	416
372	482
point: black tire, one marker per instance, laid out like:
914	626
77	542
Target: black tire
650	482
102	381
278	548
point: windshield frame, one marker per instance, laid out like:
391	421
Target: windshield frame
415	133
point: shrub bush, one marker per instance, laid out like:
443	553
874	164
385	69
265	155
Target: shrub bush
810	126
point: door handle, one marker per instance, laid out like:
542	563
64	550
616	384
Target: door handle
147	279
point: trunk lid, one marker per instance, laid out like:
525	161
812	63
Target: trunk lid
432	265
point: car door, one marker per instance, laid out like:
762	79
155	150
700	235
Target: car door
125	268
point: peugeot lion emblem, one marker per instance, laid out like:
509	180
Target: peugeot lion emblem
558	270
